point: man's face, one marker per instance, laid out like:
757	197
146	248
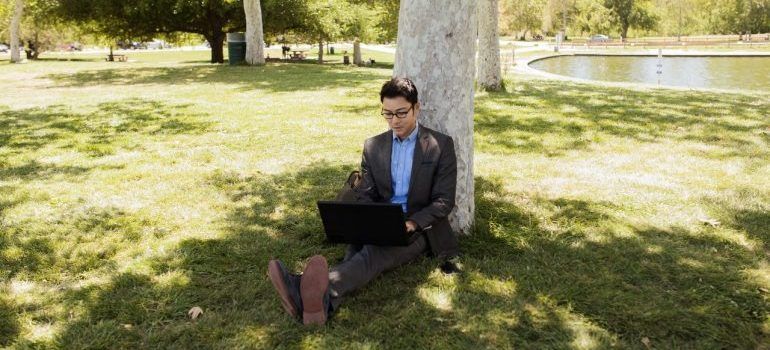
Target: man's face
402	127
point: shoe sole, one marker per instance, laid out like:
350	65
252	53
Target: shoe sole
313	287
276	276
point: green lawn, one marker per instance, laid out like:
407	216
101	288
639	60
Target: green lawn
132	192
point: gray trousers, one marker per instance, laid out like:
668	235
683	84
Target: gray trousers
363	263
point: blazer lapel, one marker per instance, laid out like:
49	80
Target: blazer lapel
386	159
419	150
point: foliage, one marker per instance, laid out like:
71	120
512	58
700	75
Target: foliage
521	16
630	13
641	17
143	19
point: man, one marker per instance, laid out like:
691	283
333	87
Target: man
410	165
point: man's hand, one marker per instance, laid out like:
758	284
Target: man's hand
411	226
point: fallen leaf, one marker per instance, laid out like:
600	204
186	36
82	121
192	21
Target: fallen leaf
195	312
128	326
763	290
646	342
710	222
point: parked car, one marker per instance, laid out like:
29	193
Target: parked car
76	46
156	44
600	38
4	48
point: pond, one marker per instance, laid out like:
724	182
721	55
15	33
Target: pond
722	72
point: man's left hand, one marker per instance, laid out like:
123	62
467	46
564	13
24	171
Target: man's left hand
411	226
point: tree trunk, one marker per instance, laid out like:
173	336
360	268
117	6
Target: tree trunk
320	51
357	53
489	75
18	11
624	33
255	41
436	49
216	41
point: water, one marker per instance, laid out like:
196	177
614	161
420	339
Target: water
751	73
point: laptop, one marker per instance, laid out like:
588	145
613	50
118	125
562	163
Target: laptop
364	223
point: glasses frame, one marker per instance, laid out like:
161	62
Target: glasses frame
399	115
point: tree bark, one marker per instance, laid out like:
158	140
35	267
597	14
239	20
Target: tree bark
255	41
320	51
357	53
489	74
436	49
623	32
216	40
18	11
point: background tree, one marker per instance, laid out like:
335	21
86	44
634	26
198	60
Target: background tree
325	22
255	42
630	13
489	73
520	17
42	30
363	25
436	49
591	17
18	12
129	19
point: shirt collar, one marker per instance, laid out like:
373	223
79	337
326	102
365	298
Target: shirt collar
411	136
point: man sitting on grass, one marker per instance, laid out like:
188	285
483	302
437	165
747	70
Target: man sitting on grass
410	165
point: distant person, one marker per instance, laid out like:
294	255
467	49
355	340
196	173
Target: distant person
389	162
284	50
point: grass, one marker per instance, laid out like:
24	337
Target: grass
131	192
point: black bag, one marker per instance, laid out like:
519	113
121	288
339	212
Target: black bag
348	191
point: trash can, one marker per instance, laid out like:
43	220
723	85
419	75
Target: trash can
236	48
331	50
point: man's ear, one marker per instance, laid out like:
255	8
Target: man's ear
417	109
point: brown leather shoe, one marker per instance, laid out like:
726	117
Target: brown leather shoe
313	289
287	286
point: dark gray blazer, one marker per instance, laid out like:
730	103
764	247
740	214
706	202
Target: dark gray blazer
431	187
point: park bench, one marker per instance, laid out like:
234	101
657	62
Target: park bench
297	55
117	58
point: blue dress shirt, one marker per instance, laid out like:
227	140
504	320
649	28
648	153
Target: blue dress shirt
401	158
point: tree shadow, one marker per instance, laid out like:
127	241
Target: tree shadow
756	223
84	242
571	274
9	324
269	216
676	287
96	132
510	121
274	77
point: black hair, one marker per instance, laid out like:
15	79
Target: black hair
396	87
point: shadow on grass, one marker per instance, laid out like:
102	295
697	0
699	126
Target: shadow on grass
676	287
9	325
97	133
70	59
277	77
511	121
268	217
81	243
576	276
756	223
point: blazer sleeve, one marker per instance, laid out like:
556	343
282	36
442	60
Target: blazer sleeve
366	191
442	190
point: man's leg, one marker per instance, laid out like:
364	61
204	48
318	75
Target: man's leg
368	263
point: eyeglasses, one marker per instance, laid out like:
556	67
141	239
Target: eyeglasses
400	115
